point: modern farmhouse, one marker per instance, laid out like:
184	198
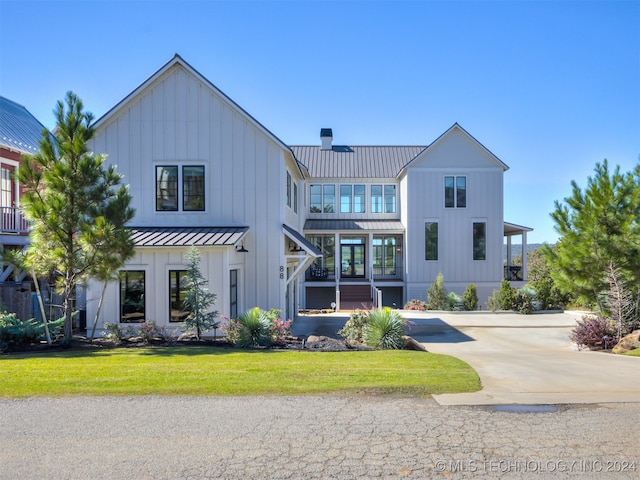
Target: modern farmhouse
291	227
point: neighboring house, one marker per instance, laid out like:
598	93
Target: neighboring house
289	227
20	134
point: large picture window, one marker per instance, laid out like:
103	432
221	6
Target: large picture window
455	192
167	188
132	296
177	294
383	198
431	241
327	245
479	241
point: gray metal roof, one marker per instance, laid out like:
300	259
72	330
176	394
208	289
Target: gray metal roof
355	162
301	241
186	236
368	225
18	128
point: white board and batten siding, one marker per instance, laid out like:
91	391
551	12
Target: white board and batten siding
178	118
454	154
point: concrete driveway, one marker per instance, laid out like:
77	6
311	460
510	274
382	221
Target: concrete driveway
521	359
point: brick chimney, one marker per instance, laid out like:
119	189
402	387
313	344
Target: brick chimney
326	137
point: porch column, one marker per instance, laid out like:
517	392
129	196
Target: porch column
524	256
369	252
508	273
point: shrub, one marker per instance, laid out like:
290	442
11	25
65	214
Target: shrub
14	331
149	330
525	300
280	330
502	299
353	330
415	304
470	297
595	333
385	329
113	332
254	329
436	295
453	302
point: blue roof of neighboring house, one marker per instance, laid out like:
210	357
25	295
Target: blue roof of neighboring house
19	129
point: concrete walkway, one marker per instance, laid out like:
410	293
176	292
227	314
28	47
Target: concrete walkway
521	359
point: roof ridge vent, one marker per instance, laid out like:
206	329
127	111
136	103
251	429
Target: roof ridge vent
326	139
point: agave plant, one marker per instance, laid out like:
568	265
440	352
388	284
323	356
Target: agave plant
385	329
254	329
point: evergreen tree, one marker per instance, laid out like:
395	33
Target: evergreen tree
77	207
198	299
436	294
599	226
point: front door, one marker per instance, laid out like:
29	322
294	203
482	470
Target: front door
352	257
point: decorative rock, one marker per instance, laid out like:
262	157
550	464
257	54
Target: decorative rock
628	342
411	343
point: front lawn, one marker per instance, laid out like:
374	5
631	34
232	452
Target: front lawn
223	371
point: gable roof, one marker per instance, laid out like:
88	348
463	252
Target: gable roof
389	161
456	127
177	60
19	130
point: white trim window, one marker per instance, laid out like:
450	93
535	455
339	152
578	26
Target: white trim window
322	198
383	199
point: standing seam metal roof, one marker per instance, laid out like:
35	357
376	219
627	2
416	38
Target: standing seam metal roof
356	162
18	128
186	236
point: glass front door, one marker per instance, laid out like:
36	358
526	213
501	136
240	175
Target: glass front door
352	257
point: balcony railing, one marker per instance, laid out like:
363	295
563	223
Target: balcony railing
12	220
513	273
388	273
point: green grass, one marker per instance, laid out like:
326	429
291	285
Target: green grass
633	353
220	371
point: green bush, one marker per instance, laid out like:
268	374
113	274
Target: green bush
385	329
453	302
14	332
470	297
253	329
436	295
353	330
525	301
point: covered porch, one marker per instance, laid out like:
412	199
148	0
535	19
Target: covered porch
516	273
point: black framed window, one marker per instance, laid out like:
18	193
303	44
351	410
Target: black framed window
193	188
177	293
431	241
455	192
479	241
132	296
167	188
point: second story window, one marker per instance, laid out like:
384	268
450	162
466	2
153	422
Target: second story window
455	192
383	199
288	190
346	192
322	199
168	182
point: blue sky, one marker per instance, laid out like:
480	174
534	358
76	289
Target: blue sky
551	88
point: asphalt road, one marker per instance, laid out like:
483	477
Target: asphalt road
311	437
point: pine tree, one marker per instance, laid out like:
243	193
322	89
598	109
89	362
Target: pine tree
598	226
198	299
77	207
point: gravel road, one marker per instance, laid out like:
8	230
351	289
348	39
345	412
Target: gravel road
311	437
